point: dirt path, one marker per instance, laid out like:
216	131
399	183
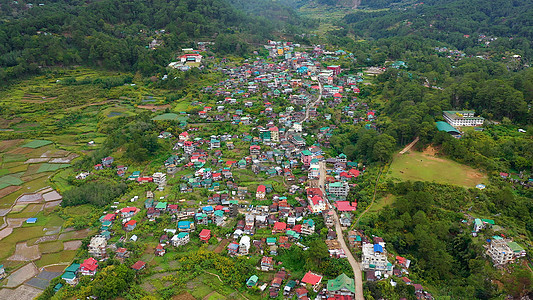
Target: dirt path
223	282
373	199
408	147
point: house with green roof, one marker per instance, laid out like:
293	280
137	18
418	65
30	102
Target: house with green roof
252	281
161	206
70	278
341	286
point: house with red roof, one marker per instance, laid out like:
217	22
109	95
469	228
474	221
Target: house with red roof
139	265
312	279
88	267
145	179
191	57
128	212
346	206
274	134
160	250
130	225
279	227
205	235
108	217
184	136
261	192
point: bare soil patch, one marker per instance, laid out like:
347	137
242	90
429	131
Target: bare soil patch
221	246
25	253
430	150
184	296
52	204
58	153
23	292
4	145
46	238
8	190
52	196
37	160
15	222
5	232
154	107
30	198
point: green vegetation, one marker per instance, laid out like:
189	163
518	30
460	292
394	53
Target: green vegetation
417	166
95	193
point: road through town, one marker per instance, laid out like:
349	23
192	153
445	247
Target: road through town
354	263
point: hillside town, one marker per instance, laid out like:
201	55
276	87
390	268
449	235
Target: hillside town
252	176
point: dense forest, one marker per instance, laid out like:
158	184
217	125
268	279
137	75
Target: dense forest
115	34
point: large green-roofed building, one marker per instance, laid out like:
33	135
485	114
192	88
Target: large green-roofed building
443	126
341	285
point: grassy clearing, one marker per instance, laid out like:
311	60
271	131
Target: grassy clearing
56	258
381	203
51	247
417	166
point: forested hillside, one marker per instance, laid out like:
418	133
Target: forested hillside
115	34
458	22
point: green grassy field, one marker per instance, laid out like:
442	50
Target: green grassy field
417	166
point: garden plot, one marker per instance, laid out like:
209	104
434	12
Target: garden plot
64	160
15	222
8	190
46	167
72	245
7	144
52	196
42	280
30	198
20	276
52	204
9	180
36	144
25	253
23	292
37	160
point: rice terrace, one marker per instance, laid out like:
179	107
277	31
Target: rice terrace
426	166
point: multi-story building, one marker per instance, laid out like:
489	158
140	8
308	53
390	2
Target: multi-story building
375	258
499	251
314	169
244	245
462	118
180	239
97	246
339	189
274	134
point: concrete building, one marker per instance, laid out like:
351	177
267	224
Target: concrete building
462	118
97	246
499	251
375	258
244	245
339	189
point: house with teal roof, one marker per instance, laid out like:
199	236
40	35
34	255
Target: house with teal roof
252	281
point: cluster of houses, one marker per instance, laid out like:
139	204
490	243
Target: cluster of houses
340	288
278	149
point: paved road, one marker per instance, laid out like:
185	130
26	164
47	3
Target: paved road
354	263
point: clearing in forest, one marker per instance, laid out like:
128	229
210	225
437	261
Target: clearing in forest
418	166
